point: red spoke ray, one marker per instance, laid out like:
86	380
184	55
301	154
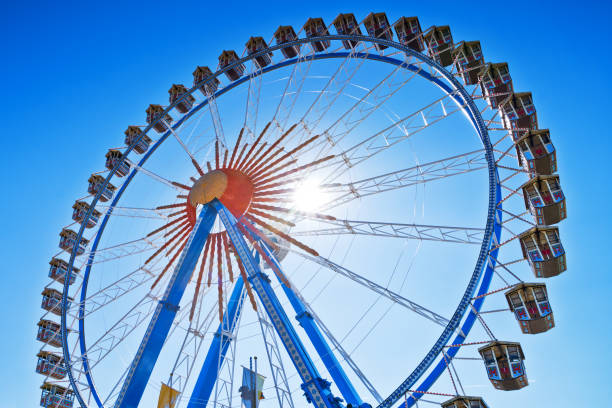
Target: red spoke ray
225	159
286	155
228	261
241	164
182	226
177	235
242	152
290	211
213	238
197	166
282	235
217	153
169	264
279	184
199	281
164	207
272	147
219	278
208	166
247	284
174	214
184	187
273	192
163	227
269	200
236	147
255	158
272	217
257	247
259	182
276	169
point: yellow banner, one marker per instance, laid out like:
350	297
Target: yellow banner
167	397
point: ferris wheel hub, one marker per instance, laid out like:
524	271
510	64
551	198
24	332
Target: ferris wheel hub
232	187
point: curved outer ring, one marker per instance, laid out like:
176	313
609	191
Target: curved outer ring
487	251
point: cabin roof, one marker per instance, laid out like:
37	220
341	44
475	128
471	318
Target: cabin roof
342	16
53	292
45	353
133	128
533	133
525	285
113	152
406	20
540	177
497	343
538	228
373	15
513	96
313	20
254	40
462	398
490	65
48	386
228	53
44	322
284	28
154	108
55	261
202	69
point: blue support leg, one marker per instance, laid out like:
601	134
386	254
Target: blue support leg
316	337
315	388
157	331
218	348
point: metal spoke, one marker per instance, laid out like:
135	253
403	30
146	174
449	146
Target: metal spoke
464	235
394	297
216	119
399	130
122	250
252	104
133	212
422	173
279	376
291	93
338	346
154	176
115	290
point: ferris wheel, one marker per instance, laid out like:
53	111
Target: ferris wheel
337	205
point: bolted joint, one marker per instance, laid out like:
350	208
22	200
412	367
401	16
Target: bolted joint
171	307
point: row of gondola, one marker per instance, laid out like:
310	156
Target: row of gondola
536	156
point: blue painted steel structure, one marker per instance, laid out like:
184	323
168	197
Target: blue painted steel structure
218	349
485	262
318	340
316	389
153	340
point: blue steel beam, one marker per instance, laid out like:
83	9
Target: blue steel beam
218	348
315	388
316	337
157	331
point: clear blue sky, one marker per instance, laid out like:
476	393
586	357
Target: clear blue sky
75	74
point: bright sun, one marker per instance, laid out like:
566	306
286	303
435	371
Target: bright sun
308	196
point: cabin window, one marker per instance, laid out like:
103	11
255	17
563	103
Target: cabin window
515	299
489	357
540	295
475	404
513	354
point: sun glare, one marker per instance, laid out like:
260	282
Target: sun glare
308	196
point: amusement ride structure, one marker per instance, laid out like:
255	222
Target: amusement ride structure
277	207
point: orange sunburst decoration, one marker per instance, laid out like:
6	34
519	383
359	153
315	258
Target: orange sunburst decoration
255	177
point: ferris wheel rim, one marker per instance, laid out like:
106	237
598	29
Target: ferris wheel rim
493	214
